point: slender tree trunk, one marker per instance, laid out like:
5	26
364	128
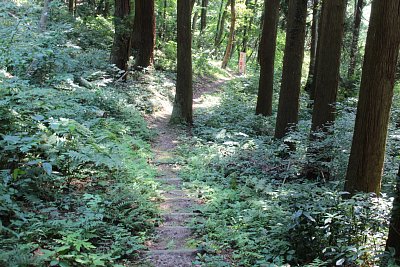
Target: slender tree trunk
356	35
45	15
194	20
317	59
122	38
164	20
182	110
71	6
100	7
145	28
231	36
203	20
218	39
288	108
221	10
106	11
267	57
248	25
314	41
393	240
381	52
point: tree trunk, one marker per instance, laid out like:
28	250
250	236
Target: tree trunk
231	36
195	17
267	57
145	33
381	52
313	49
44	16
356	35
164	20
221	10
288	108
182	110
106	11
71	6
203	20
122	38
248	25
393	240
327	73
326	83
220	32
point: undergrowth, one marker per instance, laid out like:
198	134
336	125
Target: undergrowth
259	210
75	183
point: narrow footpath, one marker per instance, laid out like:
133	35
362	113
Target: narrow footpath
171	247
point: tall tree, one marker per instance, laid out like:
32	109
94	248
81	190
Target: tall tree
248	23
182	110
44	16
195	16
288	108
203	19
221	24
122	39
393	240
326	83
71	6
163	30
356	35
313	46
381	52
229	45
327	73
267	57
144	33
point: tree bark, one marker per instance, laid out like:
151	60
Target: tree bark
106	11
221	10
288	108
44	17
182	110
220	32
267	57
327	73
248	25
145	36
314	42
356	36
326	84
203	19
122	38
195	17
71	6
381	52
163	29
231	36
393	241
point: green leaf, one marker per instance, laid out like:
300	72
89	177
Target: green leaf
63	264
340	262
47	167
54	263
38	117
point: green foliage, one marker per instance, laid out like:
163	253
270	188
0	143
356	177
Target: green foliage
259	210
75	183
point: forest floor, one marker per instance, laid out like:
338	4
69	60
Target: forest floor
173	244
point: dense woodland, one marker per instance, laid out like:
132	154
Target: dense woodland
295	161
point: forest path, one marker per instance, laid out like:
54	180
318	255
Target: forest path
171	247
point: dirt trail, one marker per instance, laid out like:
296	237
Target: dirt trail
171	247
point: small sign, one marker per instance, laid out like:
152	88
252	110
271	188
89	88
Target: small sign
242	63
